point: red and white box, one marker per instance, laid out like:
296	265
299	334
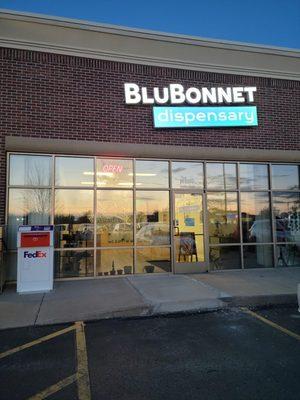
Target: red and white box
35	258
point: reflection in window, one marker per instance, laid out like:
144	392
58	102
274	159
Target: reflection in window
74	171
114	173
70	263
255	211
114	218
74	213
258	256
27	207
187	175
152	218
285	177
288	255
223	222
28	170
74	218
254	177
286	208
152	174
221	176
153	259
114	262
225	257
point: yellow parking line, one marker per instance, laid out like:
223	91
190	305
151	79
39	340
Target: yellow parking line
83	381
37	341
54	388
271	323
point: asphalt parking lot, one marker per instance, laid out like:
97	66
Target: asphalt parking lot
232	354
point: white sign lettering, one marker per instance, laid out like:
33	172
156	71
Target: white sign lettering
175	93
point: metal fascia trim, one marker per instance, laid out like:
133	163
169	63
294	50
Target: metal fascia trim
134	59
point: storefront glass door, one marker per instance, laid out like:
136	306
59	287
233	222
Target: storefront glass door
188	232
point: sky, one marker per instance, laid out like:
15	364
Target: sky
266	22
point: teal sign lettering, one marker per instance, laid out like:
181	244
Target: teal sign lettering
206	117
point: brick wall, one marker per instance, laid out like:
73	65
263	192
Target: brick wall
56	96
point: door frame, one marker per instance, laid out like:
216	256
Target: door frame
192	267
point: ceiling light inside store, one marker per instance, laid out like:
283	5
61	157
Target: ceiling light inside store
98	173
141	174
105	174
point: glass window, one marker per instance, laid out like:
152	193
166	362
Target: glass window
188	228
27	207
114	173
74	171
114	262
152	174
70	263
285	177
258	256
28	170
221	176
254	177
152	218
225	257
288	255
286	208
187	175
153	259
74	218
114	218
255	211
223	221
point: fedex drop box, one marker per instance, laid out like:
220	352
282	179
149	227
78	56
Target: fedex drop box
35	258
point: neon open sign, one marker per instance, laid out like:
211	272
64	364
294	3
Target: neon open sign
114	168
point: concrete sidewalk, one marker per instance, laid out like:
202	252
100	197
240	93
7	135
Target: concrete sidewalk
133	296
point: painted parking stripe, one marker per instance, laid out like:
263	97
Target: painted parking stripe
271	323
54	388
83	382
37	341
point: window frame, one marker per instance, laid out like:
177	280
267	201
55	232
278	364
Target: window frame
170	189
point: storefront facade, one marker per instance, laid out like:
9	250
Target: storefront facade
127	196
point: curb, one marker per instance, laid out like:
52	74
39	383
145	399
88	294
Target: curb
164	310
261	300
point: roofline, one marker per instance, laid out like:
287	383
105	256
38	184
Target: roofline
173	37
196	45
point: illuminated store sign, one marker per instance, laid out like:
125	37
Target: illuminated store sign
176	94
192	117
